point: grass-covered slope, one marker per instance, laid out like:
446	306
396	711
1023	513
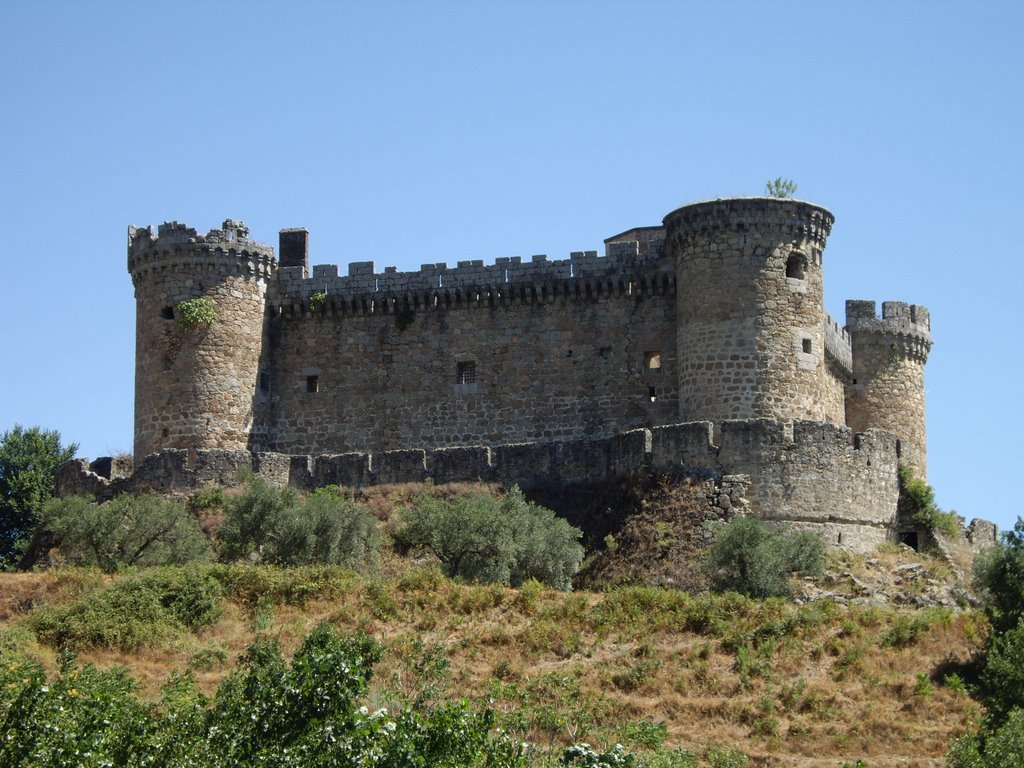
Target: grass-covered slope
802	685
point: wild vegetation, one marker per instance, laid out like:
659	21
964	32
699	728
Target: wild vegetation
437	626
675	679
28	464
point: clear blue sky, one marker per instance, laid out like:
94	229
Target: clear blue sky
422	132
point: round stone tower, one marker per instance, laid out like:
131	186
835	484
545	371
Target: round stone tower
750	310
887	391
197	363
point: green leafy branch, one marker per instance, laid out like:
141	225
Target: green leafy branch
196	313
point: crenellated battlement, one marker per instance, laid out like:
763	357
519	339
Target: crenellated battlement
905	328
800	220
178	247
837	346
625	272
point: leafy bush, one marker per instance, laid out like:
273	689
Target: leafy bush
317	299
254	584
267	713
917	501
84	717
583	756
196	313
780	187
133	612
131	529
1001	747
28	463
275	526
210	497
999	575
483	539
726	757
999	578
755	559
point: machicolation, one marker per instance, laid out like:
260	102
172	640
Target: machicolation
699	346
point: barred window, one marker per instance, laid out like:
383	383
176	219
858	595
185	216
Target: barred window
465	372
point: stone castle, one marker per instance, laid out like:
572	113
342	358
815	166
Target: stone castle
701	346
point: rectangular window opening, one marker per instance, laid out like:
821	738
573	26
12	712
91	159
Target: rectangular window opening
806	344
312	383
167	313
652	394
652	360
465	372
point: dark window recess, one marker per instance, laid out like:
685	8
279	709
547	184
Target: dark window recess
796	266
652	393
806	343
910	539
264	382
167	313
465	372
312	383
166	432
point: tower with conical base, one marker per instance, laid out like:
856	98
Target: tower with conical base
887	392
197	385
750	314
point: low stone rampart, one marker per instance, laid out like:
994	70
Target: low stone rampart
807	474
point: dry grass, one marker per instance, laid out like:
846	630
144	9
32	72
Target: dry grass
790	685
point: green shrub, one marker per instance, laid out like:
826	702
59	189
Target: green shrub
999	578
1002	676
253	584
482	539
274	525
266	713
28	465
83	717
907	627
133	612
329	529
725	757
583	756
196	313
1001	747
755	559
780	187
131	529
645	733
317	300
210	497
917	501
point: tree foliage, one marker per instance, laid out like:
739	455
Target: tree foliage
999	576
146	608
131	529
267	713
917	502
756	559
28	464
277	526
780	187
196	313
487	540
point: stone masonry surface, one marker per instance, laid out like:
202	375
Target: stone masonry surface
700	345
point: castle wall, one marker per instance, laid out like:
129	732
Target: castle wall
751	338
507	353
814	476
